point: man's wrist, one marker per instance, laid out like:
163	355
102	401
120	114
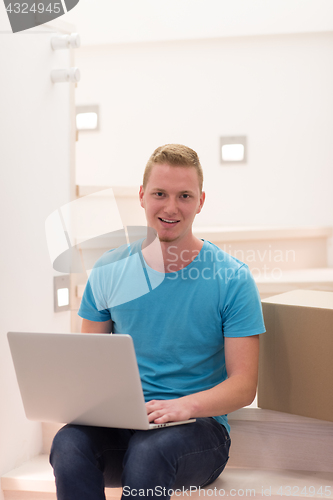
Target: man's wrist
193	405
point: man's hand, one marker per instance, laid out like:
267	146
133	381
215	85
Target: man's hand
168	410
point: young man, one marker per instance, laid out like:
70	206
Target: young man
195	333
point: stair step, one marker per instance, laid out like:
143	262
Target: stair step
275	440
266	248
34	481
280	281
266	439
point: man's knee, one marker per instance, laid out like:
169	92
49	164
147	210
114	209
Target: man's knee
69	442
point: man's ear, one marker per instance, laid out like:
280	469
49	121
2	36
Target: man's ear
141	193
202	201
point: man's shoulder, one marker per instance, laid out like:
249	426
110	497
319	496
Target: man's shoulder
221	257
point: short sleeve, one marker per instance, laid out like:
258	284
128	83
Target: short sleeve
88	308
242	311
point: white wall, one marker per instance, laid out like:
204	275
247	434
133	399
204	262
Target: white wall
35	154
150	20
277	90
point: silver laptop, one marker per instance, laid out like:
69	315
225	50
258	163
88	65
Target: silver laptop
86	379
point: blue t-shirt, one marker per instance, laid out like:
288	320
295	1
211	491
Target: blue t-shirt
177	320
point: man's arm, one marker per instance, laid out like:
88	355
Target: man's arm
238	390
96	326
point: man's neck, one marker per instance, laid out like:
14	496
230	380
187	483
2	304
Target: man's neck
172	256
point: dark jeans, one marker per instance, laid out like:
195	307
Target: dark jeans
85	459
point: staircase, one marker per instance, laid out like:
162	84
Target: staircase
281	259
272	454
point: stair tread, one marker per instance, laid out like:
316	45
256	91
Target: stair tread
307	275
255	414
37	475
246	233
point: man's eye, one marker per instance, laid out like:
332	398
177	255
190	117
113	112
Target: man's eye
159	194
185	196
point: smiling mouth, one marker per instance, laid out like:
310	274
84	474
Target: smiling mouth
168	221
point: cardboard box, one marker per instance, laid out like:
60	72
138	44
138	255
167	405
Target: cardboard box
296	354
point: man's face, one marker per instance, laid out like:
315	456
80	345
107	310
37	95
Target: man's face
171	200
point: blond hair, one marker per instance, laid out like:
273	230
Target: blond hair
175	155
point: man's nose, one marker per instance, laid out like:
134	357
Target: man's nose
171	206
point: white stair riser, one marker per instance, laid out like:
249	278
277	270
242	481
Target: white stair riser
272	445
265	255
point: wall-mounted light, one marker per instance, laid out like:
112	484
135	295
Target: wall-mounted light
233	149
66	41
65	75
61	286
87	117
